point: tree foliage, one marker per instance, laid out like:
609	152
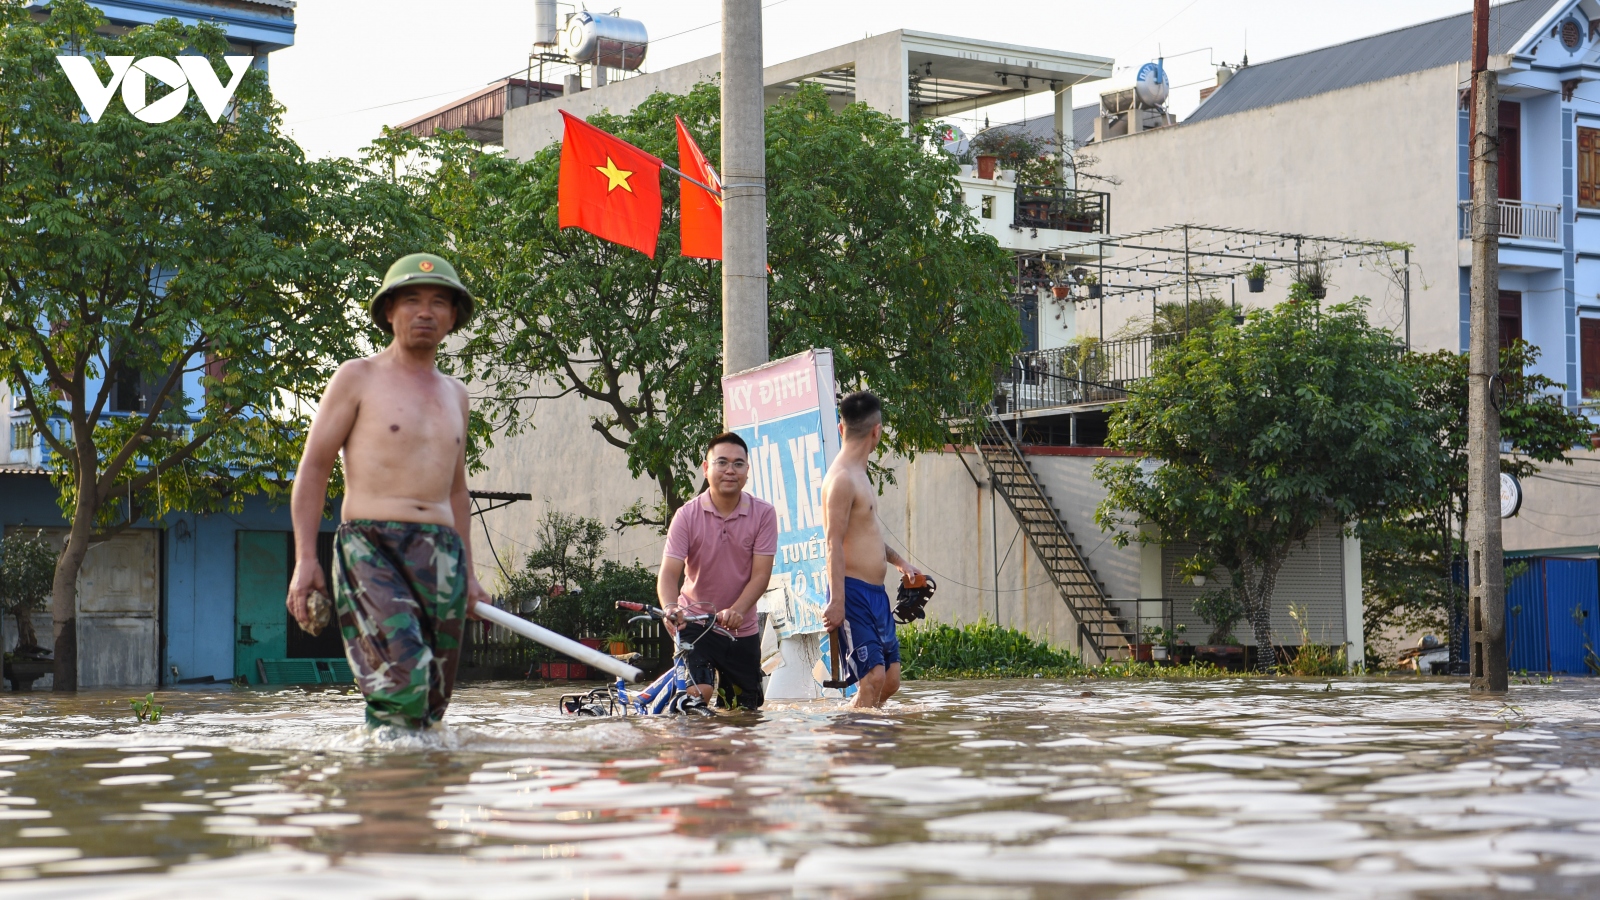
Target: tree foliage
872	251
1300	416
140	260
1406	559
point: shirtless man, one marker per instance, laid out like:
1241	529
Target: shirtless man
858	611
402	575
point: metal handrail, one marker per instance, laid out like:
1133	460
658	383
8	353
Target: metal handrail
1094	372
1062	209
1528	221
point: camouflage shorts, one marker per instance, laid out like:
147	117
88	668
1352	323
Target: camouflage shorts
400	589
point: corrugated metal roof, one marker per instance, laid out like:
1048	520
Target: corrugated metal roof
22	469
1416	48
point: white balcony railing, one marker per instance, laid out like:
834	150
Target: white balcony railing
1529	221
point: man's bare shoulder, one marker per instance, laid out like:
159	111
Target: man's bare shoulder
459	388
351	376
847	478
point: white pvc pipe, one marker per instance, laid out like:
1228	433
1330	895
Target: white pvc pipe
559	643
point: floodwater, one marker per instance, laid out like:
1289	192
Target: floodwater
985	790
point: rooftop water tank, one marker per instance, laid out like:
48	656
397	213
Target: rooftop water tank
610	41
1151	85
544	23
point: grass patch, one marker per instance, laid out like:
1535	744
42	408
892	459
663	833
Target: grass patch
985	650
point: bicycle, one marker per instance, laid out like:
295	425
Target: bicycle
667	695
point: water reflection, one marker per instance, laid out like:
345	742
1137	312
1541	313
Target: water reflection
987	789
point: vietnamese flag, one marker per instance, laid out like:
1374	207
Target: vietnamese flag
702	211
609	187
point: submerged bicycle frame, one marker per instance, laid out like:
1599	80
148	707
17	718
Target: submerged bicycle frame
667	695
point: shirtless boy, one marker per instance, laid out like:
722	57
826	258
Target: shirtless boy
858	611
402	575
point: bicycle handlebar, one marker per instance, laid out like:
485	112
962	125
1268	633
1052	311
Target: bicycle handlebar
656	612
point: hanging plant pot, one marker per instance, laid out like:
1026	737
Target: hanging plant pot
1060	291
1257	285
1317	292
1094	292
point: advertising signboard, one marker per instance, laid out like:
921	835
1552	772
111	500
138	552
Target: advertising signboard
785	411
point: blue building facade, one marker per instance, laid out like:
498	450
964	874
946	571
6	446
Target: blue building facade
160	606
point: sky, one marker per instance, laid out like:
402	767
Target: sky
358	65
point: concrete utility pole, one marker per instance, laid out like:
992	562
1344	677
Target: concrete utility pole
1485	567
744	189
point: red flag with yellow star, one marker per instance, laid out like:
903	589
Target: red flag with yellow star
609	187
701	224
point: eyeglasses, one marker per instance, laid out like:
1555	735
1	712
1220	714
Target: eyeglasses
723	465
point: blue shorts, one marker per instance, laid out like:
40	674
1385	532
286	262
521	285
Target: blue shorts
866	637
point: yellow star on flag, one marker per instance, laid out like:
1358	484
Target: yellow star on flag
615	177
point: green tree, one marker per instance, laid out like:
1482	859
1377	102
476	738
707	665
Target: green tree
1265	431
565	586
873	254
137	256
27	571
1407	557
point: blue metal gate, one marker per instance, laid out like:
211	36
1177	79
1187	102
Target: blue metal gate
1553	617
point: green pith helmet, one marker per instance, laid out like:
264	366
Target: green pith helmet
421	268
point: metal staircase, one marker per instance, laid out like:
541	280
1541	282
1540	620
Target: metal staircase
1014	480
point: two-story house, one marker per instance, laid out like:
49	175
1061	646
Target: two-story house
189	597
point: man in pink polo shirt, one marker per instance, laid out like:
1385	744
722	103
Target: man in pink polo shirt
721	545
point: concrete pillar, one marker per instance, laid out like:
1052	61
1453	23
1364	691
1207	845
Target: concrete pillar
1485	568
744	189
1355	620
1063	132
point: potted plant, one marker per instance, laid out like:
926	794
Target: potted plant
1061	291
1257	278
1220	609
1162	644
1314	279
1092	283
27	571
617	642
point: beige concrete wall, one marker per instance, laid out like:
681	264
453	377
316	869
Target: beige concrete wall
567	466
1376	161
1558	506
946	523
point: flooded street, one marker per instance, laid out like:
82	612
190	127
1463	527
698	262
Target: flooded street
997	790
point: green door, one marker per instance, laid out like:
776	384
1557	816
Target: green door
260	623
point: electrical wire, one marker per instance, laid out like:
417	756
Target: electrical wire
479	513
669	37
942	579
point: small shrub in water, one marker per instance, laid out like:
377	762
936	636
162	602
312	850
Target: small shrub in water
1314	660
147	710
980	650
